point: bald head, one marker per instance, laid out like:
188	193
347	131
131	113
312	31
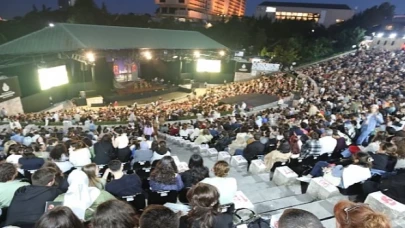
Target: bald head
298	218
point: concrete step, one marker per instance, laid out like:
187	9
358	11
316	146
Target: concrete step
329	223
272	193
282	203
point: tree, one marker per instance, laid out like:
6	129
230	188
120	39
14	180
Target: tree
104	8
285	55
34	8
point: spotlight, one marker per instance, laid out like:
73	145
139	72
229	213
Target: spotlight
51	25
197	54
221	53
381	34
147	55
393	35
91	57
313	30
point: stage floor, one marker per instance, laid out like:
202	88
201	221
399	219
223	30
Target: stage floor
253	100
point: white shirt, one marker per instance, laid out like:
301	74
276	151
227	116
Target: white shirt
64	166
328	144
80	157
354	174
121	141
13	158
184	133
157	156
226	186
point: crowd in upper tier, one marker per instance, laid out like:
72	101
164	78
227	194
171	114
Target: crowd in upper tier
348	129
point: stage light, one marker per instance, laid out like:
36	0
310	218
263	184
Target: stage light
197	54
393	35
51	25
313	30
381	34
147	55
206	65
90	57
221	53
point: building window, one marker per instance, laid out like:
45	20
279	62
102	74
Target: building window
378	42
385	43
164	10
393	42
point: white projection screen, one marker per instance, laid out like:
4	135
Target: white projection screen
206	65
52	77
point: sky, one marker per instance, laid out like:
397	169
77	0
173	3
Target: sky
12	8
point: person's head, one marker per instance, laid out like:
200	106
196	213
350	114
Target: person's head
221	169
374	108
328	132
91	170
158	216
363	159
257	136
114	213
352	215
196	161
61	217
204	201
155	146
115	166
388	148
57	152
380	136
87	142
165	171
28	152
50	164
76	145
44	177
8	172
52	141
314	135
206	132
400	143
298	218
106	138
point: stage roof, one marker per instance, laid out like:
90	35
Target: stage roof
74	37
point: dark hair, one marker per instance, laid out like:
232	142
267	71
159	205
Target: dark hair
90	171
195	161
115	165
298	218
28	152
363	159
43	176
88	142
57	151
61	217
162	143
155	146
114	213
158	216
257	136
36	147
204	201
162	150
7	172
314	135
51	141
165	171
106	138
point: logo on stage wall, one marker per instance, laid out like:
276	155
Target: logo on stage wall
243	67
5	87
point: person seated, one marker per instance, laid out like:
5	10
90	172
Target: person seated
204	138
205	209
8	183
91	170
345	176
29	161
196	173
238	143
312	146
59	156
14	153
104	150
282	154
382	156
60	178
223	141
114	213
82	199
28	203
123	184
158	216
353	215
143	154
60	216
160	152
298	218
253	149
79	154
226	186
165	176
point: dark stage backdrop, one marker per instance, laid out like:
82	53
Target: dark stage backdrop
169	71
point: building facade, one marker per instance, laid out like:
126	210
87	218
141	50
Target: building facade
324	14
200	9
390	35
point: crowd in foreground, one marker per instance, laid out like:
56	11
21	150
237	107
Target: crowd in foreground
352	126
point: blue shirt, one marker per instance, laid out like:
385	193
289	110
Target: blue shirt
156	186
17	138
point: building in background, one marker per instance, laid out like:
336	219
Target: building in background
324	14
391	34
63	4
200	9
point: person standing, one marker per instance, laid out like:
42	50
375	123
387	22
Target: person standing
369	124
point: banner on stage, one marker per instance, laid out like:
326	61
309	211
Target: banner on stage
265	67
10	88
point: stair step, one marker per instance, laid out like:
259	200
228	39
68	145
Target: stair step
282	203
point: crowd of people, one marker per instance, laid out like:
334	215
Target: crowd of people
348	129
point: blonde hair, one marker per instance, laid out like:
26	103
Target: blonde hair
90	171
221	169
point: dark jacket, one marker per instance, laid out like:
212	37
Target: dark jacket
31	163
253	149
104	153
193	176
220	221
380	161
28	204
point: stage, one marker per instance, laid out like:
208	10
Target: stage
252	100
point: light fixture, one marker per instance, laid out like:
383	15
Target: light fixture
175	57
197	54
381	34
51	25
393	35
221	53
91	57
313	30
147	55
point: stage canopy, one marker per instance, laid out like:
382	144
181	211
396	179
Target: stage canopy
75	37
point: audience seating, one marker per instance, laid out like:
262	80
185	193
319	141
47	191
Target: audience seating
384	204
319	188
238	161
284	176
138	201
224	156
140	165
278	164
162	197
183	195
257	166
